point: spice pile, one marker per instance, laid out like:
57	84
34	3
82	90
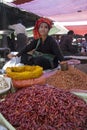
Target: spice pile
69	79
45	108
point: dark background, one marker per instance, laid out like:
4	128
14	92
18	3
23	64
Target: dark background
10	15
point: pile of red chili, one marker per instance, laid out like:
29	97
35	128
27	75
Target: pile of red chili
45	108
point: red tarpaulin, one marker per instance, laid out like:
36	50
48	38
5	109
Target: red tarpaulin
21	1
78	29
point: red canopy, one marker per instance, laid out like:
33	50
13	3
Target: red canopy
21	1
78	29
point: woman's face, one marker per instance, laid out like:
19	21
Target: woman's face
43	29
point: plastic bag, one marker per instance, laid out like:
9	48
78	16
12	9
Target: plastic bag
29	82
15	61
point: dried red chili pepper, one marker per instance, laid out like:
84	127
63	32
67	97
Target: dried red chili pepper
45	108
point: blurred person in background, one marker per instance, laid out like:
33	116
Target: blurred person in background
66	44
20	31
84	43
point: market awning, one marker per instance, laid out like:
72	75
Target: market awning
58	10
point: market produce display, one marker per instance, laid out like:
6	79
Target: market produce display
24	72
45	108
72	78
29	82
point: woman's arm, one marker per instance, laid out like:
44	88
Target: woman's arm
26	49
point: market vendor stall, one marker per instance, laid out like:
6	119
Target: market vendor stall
44	107
59	103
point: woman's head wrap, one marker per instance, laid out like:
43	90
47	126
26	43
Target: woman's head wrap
38	22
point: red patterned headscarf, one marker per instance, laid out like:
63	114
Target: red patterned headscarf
38	22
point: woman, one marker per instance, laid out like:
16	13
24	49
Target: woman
44	44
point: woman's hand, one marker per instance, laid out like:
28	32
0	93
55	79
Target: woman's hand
10	56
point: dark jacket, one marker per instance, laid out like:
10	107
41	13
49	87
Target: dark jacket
48	47
66	45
